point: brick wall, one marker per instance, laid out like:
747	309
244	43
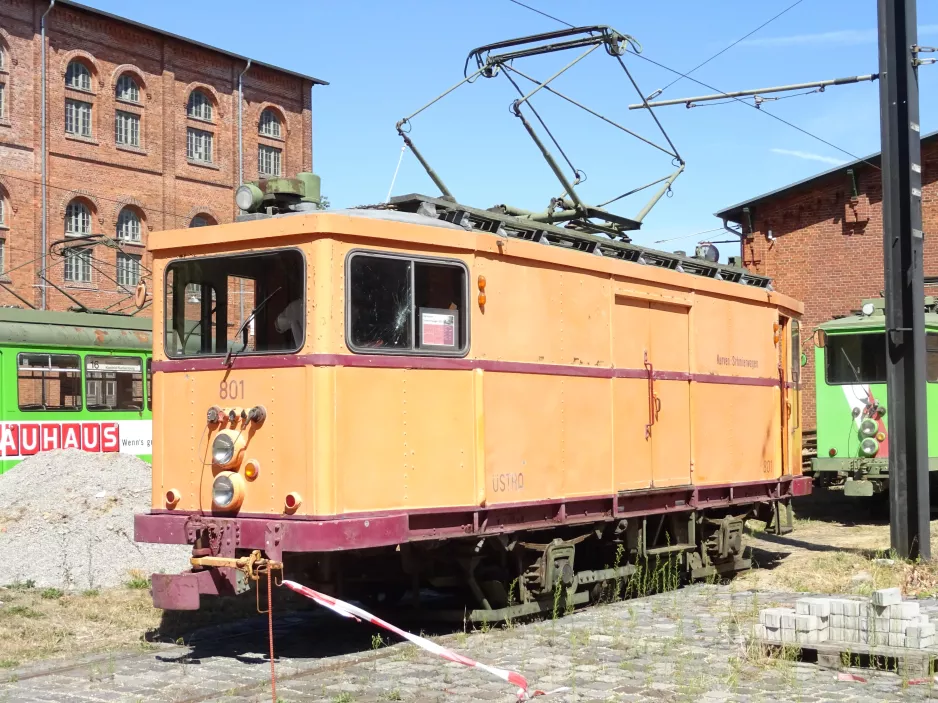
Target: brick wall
156	180
827	250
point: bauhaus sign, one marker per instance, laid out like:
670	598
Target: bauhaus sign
21	439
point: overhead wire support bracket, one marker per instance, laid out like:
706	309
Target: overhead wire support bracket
755	92
569	207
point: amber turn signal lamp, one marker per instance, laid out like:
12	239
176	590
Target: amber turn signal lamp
251	469
292	502
832	452
481	299
481	282
880	436
172	498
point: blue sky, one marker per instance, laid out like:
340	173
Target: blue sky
386	59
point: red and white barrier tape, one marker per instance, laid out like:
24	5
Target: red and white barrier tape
348	610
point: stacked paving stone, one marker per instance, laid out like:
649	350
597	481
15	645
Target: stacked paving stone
884	620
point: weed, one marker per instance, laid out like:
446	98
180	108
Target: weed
137	580
22	611
344	697
91	593
8	663
51	593
26	585
393	695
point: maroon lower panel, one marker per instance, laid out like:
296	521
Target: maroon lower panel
276	535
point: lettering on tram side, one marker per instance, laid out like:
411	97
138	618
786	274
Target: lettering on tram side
504	483
738	361
21	439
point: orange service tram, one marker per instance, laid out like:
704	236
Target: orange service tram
427	395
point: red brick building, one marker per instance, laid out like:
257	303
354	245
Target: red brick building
142	134
821	240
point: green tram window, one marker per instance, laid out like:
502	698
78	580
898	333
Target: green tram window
48	381
250	303
114	383
149	384
861	358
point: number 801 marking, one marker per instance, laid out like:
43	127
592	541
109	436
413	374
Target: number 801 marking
231	390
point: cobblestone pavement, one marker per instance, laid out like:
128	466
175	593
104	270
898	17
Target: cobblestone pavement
687	645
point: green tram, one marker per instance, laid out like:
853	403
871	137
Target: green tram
74	380
850	394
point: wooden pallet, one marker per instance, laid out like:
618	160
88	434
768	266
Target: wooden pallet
913	663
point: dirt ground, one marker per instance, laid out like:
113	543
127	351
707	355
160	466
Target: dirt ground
837	546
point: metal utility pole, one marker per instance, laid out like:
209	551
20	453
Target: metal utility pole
905	292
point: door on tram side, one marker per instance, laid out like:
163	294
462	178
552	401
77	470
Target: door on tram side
790	393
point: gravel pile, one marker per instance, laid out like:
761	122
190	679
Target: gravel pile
67	521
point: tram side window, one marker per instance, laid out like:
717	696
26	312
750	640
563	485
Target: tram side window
149	384
400	305
48	381
113	383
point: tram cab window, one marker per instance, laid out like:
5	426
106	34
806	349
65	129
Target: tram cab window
251	303
856	358
113	383
149	384
407	305
48	381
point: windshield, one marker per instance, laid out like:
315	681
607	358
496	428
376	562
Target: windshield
252	303
861	358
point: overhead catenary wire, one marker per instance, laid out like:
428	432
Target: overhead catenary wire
717	90
724	50
764	112
544	14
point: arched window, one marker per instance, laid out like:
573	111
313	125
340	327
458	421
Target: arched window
270	124
202	221
78	76
199	106
3	211
128	226
77	219
3	58
127	89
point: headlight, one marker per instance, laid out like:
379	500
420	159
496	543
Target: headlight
869	447
869	428
223	491
223	449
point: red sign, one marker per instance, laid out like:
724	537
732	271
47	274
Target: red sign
28	438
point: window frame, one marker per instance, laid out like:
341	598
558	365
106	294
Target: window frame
206	136
79	106
206	100
87	210
276	120
3	100
128	76
134	259
274	153
167	314
119	234
126	119
81	384
87	381
828	382
88	72
83	256
464	315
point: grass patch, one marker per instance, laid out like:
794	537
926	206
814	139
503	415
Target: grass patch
137	580
51	593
